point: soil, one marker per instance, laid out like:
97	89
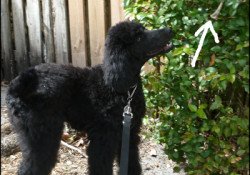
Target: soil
153	159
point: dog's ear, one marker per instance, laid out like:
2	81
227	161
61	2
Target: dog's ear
118	72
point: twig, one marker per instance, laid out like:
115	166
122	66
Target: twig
72	147
217	12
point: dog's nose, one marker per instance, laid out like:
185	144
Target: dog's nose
169	31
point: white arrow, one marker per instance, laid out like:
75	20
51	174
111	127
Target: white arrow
205	27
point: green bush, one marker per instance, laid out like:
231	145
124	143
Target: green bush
202	113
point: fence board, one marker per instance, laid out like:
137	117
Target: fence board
41	32
117	13
34	31
77	24
49	55
6	48
60	31
96	30
21	55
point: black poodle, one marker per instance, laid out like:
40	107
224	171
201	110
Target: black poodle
42	98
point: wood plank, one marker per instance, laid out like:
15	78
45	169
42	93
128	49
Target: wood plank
77	24
21	55
34	31
117	13
96	30
6	47
49	53
60	31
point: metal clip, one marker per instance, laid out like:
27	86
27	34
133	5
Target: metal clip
128	110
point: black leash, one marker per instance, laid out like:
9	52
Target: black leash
128	115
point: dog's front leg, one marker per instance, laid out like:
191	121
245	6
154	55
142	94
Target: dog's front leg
101	153
134	167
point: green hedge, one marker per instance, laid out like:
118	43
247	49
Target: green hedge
202	113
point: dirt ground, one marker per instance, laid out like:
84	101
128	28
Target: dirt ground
70	162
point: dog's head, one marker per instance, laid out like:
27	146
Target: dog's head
128	46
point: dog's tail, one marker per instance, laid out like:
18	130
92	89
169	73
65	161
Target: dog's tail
24	84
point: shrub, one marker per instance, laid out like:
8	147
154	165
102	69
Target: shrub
203	113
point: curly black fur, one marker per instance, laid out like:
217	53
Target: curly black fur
42	98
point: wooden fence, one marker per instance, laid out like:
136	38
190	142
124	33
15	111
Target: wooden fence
60	31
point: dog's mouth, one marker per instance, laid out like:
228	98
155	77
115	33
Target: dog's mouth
166	48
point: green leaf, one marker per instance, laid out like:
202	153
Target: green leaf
200	138
243	141
175	155
187	148
234	128
222	144
192	107
223	84
187	83
126	3
217	130
240	152
240	22
206	153
201	113
185	19
177	169
247	112
177	51
217	103
188	51
231	78
239	46
141	15
232	70
218	99
242	62
228	63
227	132
216	48
244	123
212	70
204	127
203	106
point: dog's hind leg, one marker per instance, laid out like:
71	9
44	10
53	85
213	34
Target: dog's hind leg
39	140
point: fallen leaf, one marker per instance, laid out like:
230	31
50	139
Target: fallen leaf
67	138
153	153
12	157
80	142
148	167
238	159
156	164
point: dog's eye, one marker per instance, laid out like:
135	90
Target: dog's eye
139	39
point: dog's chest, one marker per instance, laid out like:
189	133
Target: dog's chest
108	105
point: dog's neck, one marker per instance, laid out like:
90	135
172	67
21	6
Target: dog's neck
120	81
120	71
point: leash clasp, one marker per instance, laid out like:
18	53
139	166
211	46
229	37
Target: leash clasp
128	110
